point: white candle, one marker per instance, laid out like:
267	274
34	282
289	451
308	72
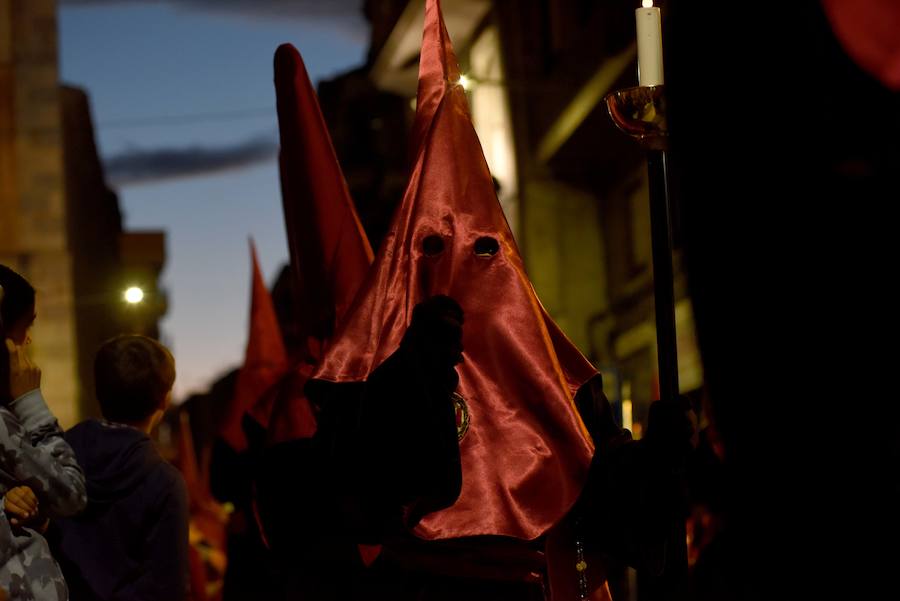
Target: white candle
649	45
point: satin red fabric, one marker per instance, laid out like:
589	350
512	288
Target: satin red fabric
330	254
869	31
526	453
265	360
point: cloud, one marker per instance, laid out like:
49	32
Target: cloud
138	166
334	9
346	16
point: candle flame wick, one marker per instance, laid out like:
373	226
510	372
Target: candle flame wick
647	3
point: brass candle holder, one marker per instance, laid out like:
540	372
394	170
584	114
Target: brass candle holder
640	112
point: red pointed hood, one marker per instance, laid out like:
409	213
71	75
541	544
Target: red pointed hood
265	360
330	254
526	452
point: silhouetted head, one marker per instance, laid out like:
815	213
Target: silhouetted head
16	317
16	305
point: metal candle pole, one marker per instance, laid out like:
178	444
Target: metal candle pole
644	117
663	280
640	112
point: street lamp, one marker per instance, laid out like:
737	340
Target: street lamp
134	295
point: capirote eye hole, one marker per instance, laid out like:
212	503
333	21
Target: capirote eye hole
433	245
486	246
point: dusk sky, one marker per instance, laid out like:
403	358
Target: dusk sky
171	80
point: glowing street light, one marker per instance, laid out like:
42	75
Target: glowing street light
134	295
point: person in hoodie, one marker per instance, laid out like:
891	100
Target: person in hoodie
131	543
39	477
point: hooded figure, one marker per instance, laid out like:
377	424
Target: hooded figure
329	251
519	432
483	505
329	258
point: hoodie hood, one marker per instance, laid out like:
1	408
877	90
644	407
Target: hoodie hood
115	458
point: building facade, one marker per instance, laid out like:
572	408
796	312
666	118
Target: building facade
60	224
33	229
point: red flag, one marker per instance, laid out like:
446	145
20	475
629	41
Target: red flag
265	360
330	253
525	454
207	557
207	514
187	460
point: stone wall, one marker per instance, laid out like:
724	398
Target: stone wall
33	237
